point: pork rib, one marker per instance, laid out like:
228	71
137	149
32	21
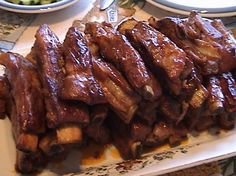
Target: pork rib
79	83
67	117
116	49
161	55
27	112
206	42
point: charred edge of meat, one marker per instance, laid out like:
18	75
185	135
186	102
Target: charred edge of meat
99	133
131	64
216	98
226	120
98	113
27	163
128	147
50	146
228	86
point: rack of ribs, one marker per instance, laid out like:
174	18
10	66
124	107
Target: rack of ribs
67	118
119	94
160	54
79	83
116	49
206	42
170	65
27	108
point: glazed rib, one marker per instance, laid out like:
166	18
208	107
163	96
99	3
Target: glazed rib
216	99
4	96
161	55
79	83
28	113
115	48
28	162
228	85
207	42
67	117
128	147
121	98
50	146
196	106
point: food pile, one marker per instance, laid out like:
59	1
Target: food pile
141	84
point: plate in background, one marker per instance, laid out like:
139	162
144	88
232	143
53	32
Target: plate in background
36	8
207	8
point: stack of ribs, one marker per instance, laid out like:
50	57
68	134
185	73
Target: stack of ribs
141	84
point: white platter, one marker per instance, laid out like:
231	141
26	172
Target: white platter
207	8
36	8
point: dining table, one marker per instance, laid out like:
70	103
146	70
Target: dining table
17	32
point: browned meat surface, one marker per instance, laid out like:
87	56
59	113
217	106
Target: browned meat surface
97	129
128	147
163	132
216	99
115	48
121	98
4	96
148	111
172	109
4	87
29	162
117	91
99	133
48	52
28	111
139	130
160	54
226	121
205	122
50	147
26	92
228	86
79	83
206	42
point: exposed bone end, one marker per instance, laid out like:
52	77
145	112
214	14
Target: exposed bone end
27	163
49	145
69	134
136	149
148	92
27	142
199	97
126	25
152	21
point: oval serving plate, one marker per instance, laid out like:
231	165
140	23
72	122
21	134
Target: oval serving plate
36	8
207	8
